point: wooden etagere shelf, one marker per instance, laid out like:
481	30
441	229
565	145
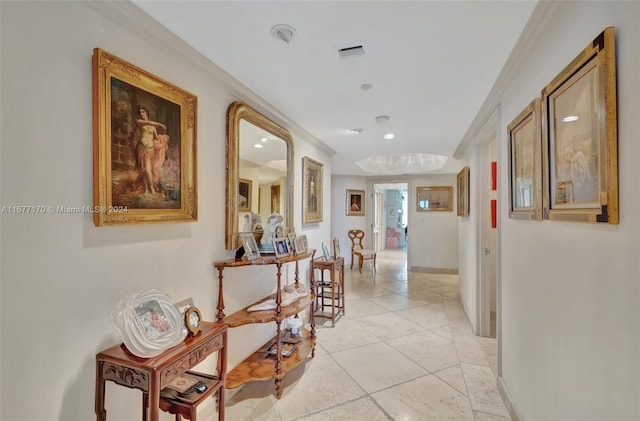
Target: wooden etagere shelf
260	365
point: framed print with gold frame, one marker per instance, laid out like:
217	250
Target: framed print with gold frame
245	190
581	141
312	190
355	202
525	165
463	191
438	198
144	146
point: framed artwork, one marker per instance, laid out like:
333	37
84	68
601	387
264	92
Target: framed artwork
292	242
275	198
144	146
434	198
494	175
355	202
250	246
325	252
281	247
301	244
153	320
392	212
312	190
580	148
525	165
245	187
463	192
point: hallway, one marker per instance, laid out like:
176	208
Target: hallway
403	351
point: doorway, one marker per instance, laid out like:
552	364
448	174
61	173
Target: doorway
392	215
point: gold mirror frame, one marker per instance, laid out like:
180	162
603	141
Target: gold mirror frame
236	112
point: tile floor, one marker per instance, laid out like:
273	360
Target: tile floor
403	351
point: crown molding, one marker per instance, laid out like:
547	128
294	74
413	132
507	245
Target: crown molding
128	15
543	17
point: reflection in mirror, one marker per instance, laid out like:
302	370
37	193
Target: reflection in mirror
259	176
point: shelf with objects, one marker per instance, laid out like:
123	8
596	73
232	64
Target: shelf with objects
262	365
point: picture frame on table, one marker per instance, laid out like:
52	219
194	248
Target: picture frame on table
312	190
292	242
250	246
355	202
325	251
579	128
462	182
281	247
144	146
301	244
524	149
336	247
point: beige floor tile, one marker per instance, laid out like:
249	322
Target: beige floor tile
469	350
429	316
426	398
363	409
346	334
483	391
389	325
431	351
356	308
324	385
394	302
378	366
454	378
482	416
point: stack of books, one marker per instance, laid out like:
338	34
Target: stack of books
287	348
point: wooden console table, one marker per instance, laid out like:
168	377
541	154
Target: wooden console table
150	375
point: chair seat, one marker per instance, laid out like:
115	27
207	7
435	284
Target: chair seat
364	253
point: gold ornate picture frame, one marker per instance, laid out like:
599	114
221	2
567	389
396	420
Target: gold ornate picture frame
312	190
525	164
580	132
462	181
144	146
438	198
355	202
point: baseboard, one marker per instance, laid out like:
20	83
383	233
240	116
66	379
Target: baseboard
502	389
443	271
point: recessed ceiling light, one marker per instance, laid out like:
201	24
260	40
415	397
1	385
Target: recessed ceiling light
283	32
389	136
570	118
382	119
366	86
258	145
264	139
356	130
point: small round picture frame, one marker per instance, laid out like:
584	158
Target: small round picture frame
193	319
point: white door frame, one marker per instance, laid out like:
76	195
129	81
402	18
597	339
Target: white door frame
486	135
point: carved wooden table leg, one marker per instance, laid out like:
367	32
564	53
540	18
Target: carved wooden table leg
279	383
101	414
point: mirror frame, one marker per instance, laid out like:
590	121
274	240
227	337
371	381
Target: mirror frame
237	111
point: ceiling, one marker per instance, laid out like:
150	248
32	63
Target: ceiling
431	65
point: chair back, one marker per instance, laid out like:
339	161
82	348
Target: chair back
356	237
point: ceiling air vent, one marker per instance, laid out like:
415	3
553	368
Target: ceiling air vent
355	50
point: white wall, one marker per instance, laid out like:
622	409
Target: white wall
570	291
340	222
60	276
433	236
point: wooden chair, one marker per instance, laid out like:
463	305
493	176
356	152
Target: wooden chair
357	249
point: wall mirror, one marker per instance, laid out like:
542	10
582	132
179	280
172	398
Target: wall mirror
434	198
259	173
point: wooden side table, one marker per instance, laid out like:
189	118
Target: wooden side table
150	375
329	293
